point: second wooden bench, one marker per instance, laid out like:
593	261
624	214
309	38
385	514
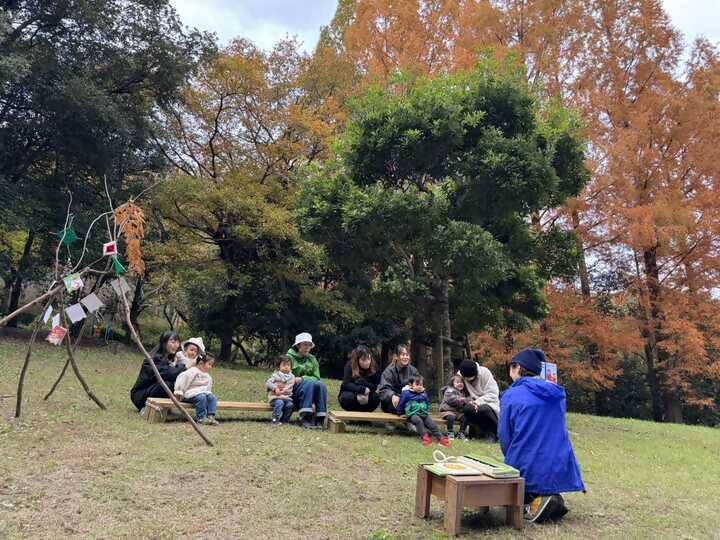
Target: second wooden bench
337	419
156	409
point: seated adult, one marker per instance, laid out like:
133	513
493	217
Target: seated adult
396	376
534	438
360	381
484	406
308	389
163	355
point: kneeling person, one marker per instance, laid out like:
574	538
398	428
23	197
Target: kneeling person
535	440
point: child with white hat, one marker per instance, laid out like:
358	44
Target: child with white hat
191	350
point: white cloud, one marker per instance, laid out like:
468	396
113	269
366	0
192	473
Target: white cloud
263	22
267	21
695	18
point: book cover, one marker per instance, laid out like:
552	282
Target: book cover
549	372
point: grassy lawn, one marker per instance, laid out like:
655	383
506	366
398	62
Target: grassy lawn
71	470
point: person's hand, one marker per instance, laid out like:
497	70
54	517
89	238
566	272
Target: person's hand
396	401
298	380
278	391
367	390
280	385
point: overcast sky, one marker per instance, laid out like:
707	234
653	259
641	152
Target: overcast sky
267	21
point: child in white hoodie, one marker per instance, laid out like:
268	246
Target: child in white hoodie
194	385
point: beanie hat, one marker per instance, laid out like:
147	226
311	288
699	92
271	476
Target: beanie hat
530	359
468	369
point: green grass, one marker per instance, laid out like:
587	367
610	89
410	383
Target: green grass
71	470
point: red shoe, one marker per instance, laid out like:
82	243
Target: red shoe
426	440
444	442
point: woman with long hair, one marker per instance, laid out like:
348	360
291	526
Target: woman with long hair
163	355
396	376
358	391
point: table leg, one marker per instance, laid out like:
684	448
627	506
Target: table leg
453	506
422	493
514	517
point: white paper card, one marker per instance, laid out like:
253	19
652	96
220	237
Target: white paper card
56	320
75	312
120	286
48	314
92	303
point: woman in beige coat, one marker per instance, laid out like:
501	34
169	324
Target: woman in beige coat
484	407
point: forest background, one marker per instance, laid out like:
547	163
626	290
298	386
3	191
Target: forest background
267	215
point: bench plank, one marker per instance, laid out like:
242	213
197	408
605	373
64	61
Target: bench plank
156	409
337	419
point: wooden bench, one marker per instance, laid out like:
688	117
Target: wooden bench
337	419
156	409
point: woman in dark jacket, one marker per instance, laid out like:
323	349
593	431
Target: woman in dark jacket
394	378
146	384
360	381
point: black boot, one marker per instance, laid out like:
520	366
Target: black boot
306	421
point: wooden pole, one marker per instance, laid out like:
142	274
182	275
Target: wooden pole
158	377
67	361
73	364
28	354
52	292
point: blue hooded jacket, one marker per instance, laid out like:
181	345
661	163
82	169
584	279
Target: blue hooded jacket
534	438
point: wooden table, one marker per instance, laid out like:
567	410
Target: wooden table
471	491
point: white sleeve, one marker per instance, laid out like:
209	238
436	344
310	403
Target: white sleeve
183	382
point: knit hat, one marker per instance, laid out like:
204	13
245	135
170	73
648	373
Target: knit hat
468	369
198	342
530	359
303	337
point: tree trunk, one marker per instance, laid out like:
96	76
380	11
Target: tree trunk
17	282
591	349
441	353
417	347
666	403
448	366
135	309
651	376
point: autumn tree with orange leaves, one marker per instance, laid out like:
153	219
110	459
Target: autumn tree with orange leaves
647	221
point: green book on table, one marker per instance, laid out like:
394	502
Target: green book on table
494	467
473	464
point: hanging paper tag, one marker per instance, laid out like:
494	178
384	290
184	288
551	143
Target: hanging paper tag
120	286
110	248
73	282
68	236
56	335
119	268
75	313
55	321
48	314
92	303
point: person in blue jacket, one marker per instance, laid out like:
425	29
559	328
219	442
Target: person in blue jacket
534	438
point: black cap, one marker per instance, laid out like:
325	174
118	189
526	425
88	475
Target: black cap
468	369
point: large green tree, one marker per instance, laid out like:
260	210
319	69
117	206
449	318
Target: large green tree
248	123
428	208
79	80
